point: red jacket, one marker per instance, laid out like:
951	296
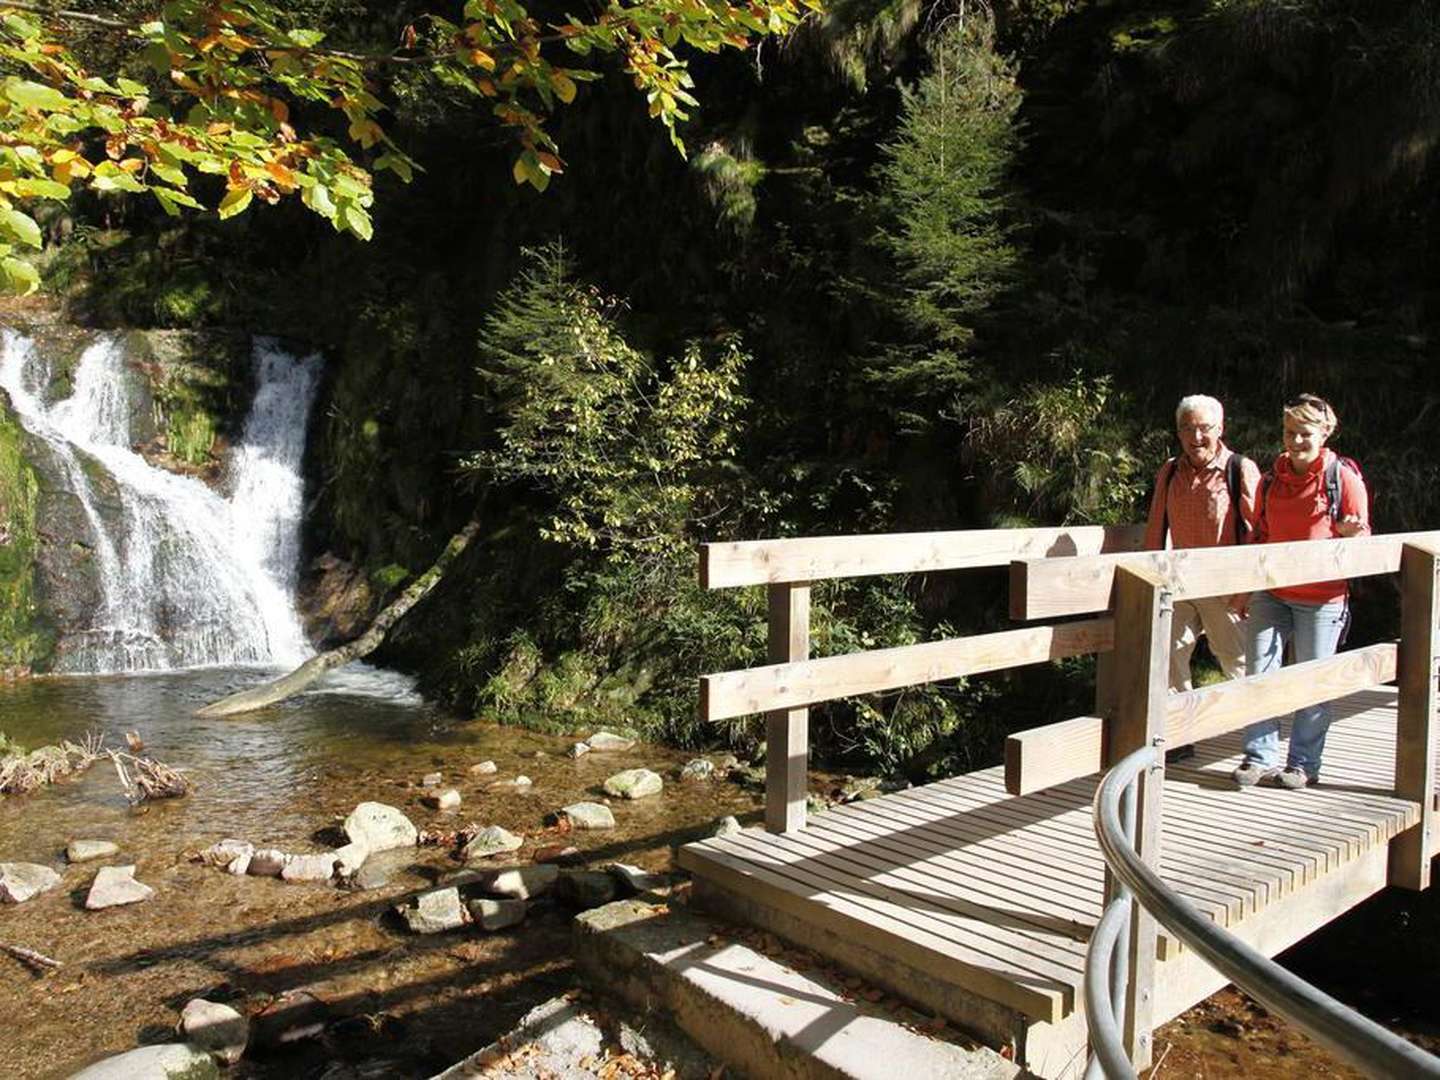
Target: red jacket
1297	508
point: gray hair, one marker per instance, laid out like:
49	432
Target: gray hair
1199	403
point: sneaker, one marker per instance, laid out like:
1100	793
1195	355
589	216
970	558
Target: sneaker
1292	778
1251	773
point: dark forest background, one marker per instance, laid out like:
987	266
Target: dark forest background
927	265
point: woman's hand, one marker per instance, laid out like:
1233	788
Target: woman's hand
1240	605
1350	525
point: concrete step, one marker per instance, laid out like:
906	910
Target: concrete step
761	1018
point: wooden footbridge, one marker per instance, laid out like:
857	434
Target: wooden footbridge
975	896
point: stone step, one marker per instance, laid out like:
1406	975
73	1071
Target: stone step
761	1018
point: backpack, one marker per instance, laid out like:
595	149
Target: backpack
1232	484
1332	486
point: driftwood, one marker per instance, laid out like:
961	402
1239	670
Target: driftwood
278	690
38	961
20	773
147	778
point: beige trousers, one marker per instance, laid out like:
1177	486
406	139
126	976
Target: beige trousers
1213	618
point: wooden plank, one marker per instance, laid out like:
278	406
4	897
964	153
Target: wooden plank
808	682
1046	588
787	730
814	558
1415	736
1045	756
1143	609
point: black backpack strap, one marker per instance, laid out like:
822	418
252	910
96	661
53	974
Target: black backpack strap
1167	473
1332	486
1234	481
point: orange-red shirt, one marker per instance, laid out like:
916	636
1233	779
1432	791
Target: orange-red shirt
1198	503
1298	508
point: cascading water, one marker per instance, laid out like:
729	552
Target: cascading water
190	577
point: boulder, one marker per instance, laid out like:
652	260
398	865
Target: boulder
379	827
154	1063
224	852
217	1028
490	841
604	741
698	769
19	881
585	889
85	850
318	867
449	799
483	768
634	784
433	912
115	886
350	858
378	870
518	882
497	914
589	815
267	862
728	825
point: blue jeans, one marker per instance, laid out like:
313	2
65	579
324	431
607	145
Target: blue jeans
1314	630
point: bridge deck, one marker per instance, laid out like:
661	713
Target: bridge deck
991	898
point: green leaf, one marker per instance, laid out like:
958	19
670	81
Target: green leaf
34	95
306	39
166	203
41	189
169	173
179	198
356	220
235	202
20	277
317	198
20	226
131	87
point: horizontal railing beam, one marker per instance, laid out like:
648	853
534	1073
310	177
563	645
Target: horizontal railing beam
1056	753
1048	588
808	682
814	558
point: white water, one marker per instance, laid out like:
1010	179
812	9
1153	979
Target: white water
190	577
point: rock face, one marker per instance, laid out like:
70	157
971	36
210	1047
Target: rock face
434	912
216	1028
379	827
19	881
85	850
114	886
336	601
497	914
589	815
153	1063
489	841
634	784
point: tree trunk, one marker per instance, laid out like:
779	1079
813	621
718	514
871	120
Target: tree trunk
278	690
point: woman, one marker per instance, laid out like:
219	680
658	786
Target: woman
1298	505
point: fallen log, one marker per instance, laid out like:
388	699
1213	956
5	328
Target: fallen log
277	690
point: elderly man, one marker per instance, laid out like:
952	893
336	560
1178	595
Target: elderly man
1204	497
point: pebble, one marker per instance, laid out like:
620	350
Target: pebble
85	850
634	784
20	881
215	1027
432	779
483	768
115	886
448	799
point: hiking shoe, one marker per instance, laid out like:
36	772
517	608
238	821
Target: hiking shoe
1292	778
1251	773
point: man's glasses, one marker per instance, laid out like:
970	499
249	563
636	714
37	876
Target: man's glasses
1198	429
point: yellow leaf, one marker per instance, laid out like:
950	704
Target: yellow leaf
480	58
563	85
235	200
521	172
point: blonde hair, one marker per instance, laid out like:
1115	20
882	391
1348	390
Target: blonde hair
1314	410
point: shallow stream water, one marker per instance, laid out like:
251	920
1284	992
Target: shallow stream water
286	777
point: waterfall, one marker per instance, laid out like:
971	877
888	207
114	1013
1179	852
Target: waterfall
188	576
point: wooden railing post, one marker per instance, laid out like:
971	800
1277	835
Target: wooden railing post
1415	742
1138	687
787	731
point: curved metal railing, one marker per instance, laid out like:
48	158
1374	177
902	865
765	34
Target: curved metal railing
1362	1042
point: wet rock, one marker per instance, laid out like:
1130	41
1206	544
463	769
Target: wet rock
224	852
432	779
378	870
433	912
631	880
580	749
634	784
604	741
292	1017
379	827
483	768
589	815
318	867
698	769
85	850
20	881
267	862
350	858
239	866
585	889
154	1063
563	854
522	781
489	841
728	825
114	886
497	914
448	799
518	882
216	1028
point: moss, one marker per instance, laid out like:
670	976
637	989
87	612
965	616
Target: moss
24	638
388	577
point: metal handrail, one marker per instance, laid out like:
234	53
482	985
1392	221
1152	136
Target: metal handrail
1360	1041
